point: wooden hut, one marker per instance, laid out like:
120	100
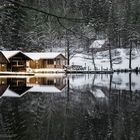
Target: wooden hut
13	61
46	60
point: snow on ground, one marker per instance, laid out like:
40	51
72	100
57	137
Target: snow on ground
120	59
83	60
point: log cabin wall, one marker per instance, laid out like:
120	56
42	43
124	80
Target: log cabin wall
18	63
3	62
36	64
57	62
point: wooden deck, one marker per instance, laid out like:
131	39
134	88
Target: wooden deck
17	73
89	72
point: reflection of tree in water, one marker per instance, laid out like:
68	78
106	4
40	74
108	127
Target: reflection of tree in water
51	116
126	107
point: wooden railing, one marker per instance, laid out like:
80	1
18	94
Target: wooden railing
55	66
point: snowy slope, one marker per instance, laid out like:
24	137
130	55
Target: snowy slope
120	59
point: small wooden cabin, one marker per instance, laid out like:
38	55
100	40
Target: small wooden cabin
13	61
46	60
17	61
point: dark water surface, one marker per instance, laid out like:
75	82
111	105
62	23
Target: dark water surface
73	107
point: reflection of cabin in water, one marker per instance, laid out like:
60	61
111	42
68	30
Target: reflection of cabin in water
58	82
46	60
13	87
3	85
17	87
13	61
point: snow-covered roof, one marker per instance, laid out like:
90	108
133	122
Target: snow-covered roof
32	55
44	88
37	56
9	54
97	44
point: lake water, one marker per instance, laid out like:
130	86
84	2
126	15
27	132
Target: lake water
72	107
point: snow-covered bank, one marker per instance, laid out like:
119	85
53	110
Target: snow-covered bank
120	59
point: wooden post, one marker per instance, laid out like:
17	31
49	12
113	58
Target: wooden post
85	66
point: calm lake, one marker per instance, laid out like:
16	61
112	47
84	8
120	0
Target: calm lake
72	107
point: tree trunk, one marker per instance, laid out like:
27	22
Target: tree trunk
68	52
130	85
130	55
110	84
110	57
130	82
68	49
119	40
93	60
68	89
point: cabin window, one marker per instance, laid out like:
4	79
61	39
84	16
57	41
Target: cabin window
14	63
20	63
50	82
17	58
18	83
50	61
28	64
58	61
3	65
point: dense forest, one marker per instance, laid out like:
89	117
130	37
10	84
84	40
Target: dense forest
37	25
